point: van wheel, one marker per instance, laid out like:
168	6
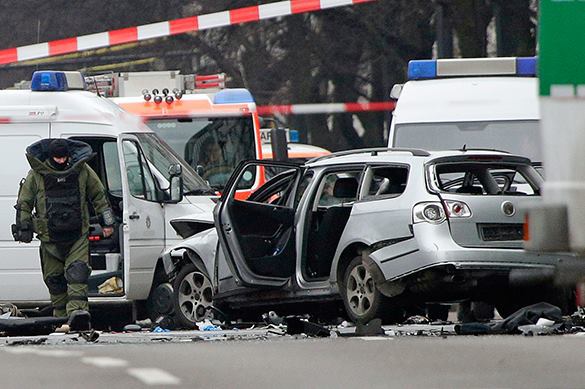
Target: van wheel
193	295
362	300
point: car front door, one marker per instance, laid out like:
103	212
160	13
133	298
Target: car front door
257	235
143	215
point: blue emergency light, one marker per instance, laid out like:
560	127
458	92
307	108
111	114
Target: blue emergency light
437	68
293	136
422	69
48	80
526	66
233	96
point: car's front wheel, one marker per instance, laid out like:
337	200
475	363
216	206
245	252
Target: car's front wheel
362	300
193	295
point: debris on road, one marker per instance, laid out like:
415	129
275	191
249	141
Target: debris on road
525	320
207	325
132	328
297	326
417	319
272	318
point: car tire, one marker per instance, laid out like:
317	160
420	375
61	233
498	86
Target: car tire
361	299
192	296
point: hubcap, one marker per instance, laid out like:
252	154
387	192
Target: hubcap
360	290
195	295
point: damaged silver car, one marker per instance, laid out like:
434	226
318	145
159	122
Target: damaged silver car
378	229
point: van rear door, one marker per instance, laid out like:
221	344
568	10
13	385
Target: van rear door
20	266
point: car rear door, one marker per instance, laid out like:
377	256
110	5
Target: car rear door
257	234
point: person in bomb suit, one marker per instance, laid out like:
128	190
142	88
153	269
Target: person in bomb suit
53	202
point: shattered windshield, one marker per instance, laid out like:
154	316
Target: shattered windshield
212	146
517	137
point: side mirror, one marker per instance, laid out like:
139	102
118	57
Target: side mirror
176	183
175	170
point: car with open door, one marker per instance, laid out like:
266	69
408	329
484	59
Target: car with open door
378	229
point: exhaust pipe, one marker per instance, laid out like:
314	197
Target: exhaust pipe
527	277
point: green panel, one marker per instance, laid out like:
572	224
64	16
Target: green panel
561	57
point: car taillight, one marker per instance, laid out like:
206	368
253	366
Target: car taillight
457	209
430	212
94	238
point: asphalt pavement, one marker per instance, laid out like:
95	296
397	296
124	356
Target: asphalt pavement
263	359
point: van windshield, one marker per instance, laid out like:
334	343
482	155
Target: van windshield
161	156
212	146
521	137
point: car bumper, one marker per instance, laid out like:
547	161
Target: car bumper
431	246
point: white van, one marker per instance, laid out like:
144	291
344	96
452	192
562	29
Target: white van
136	168
489	103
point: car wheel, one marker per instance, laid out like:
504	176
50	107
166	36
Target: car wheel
193	295
362	300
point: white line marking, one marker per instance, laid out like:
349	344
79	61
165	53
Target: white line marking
43	353
58	353
18	350
154	376
104	362
372	338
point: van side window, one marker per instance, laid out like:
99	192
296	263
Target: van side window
140	179
112	166
387	181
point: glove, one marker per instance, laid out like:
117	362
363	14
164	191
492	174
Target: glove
22	233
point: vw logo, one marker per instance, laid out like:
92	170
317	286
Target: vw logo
508	208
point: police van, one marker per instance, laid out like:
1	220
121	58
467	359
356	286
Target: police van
469	103
156	197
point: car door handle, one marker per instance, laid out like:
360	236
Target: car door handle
134	216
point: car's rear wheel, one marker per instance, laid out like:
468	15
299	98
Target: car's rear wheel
193	295
362	300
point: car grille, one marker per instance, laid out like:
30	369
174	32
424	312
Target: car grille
500	232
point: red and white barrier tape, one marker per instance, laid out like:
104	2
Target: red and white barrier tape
168	28
307	109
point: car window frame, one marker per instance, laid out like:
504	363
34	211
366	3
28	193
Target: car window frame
318	186
363	197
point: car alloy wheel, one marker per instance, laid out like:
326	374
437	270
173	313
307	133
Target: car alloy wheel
362	300
360	290
193	295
